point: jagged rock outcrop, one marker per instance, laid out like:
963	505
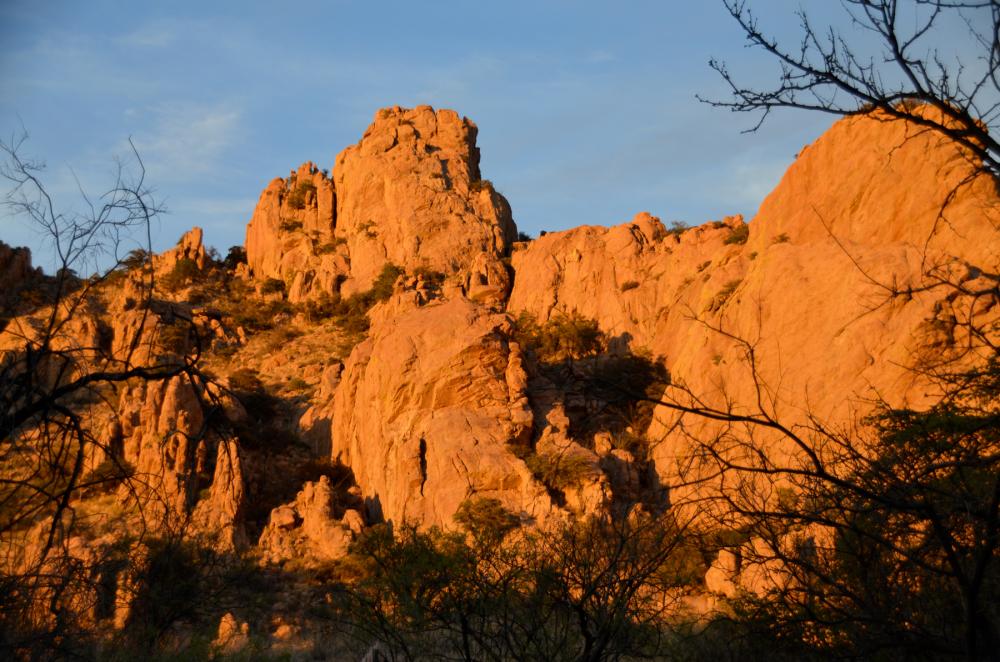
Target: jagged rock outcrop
291	234
184	471
310	528
189	248
627	277
426	412
16	273
410	192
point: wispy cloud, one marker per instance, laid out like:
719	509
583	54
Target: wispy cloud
187	139
158	34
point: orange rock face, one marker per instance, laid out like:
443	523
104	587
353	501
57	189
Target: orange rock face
868	205
410	193
425	412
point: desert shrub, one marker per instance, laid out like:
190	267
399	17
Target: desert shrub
727	291
560	470
246	380
738	235
298	384
331	246
184	272
175	337
272	286
565	336
299	194
677	228
480	184
260	316
137	258
290	225
780	239
385	282
351	313
485	519
523	236
236	256
629	285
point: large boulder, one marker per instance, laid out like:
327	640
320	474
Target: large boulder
426	413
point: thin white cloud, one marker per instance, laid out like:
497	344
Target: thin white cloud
152	35
186	139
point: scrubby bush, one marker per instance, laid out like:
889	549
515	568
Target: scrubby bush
236	256
677	228
184	273
560	471
272	286
629	285
738	235
298	196
564	336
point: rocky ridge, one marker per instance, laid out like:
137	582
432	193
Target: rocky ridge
440	403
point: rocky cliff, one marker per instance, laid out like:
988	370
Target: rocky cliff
409	193
332	394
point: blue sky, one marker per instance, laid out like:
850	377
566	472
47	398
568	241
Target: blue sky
586	110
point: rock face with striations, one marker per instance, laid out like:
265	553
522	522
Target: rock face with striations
410	193
426	411
291	234
860	209
183	472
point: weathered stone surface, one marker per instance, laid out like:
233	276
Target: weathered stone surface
859	210
410	192
291	234
424	414
308	530
182	469
188	248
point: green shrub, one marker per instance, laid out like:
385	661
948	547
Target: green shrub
629	285
385	282
297	198
479	185
290	225
485	519
184	272
560	470
780	239
677	228
272	286
523	236
237	255
563	337
738	235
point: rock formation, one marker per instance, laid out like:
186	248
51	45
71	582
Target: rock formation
184	471
410	193
308	529
426	411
